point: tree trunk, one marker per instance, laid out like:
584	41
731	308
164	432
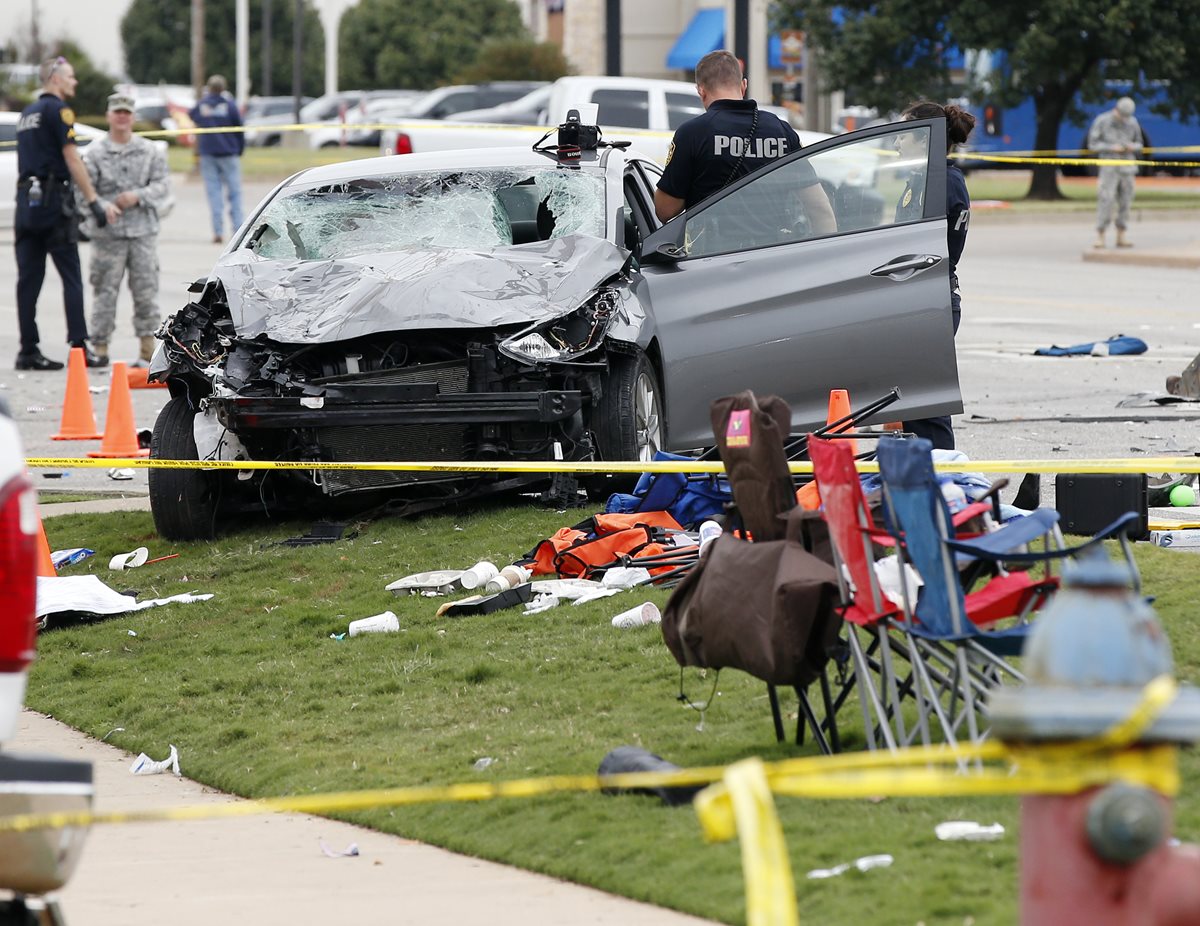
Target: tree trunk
1050	106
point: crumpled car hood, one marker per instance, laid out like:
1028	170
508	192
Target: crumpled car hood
316	301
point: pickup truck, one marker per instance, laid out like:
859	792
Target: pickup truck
36	862
642	110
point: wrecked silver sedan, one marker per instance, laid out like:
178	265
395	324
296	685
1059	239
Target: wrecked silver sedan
499	304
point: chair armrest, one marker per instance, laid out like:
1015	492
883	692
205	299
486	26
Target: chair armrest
999	544
982	550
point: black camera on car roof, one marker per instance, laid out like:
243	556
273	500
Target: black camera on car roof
574	134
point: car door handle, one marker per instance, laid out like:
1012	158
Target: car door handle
901	268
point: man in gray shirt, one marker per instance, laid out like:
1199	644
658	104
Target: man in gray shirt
1115	135
129	172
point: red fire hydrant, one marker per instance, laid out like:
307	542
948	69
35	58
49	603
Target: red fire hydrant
1103	856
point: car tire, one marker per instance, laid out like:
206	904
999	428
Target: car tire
628	419
183	502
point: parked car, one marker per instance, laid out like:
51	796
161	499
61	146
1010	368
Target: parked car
259	107
262	131
39	861
501	304
371	110
527	110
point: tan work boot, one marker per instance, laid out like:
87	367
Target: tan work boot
148	344
1099	245
1122	241
100	350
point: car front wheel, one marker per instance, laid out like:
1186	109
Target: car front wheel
630	411
183	501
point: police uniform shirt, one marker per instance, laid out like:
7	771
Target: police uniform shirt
958	215
46	125
911	205
707	150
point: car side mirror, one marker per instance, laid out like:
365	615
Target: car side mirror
664	246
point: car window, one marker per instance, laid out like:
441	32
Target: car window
628	109
455	209
456	103
681	107
869	183
8	132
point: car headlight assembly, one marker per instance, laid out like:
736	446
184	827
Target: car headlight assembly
568	337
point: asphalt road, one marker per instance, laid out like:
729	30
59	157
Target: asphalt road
1025	285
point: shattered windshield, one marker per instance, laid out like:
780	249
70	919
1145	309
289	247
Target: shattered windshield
455	209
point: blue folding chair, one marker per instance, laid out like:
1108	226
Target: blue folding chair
970	658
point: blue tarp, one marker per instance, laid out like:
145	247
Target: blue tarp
705	33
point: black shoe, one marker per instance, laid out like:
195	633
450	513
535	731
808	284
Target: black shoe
35	360
92	359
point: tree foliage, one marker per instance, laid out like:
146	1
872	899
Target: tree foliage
515	59
419	43
156	36
887	52
94	87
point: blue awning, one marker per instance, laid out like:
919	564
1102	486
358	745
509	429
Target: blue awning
705	33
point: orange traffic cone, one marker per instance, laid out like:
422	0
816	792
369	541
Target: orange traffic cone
120	436
839	407
139	379
45	565
78	418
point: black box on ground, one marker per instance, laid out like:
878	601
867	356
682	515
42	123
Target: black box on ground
1089	502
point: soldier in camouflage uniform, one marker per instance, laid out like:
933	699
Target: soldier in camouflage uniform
1115	134
129	172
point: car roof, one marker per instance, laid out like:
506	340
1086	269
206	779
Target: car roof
480	158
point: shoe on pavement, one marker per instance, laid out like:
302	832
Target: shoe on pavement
217	239
36	360
1123	242
147	344
1099	245
91	358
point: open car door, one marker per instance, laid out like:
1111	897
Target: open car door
754	289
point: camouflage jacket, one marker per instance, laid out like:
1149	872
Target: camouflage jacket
136	166
1109	136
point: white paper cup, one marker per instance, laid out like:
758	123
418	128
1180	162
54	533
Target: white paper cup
497	583
131	560
386	622
516	575
479	574
640	616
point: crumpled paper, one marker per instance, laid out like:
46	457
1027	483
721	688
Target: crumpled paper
144	765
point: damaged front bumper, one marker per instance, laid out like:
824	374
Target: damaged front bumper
396	405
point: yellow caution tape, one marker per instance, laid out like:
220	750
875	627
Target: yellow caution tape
1181	465
1069	161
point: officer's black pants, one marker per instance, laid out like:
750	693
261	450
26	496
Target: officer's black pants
938	431
32	248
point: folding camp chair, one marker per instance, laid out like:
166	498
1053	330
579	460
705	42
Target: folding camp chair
750	436
951	629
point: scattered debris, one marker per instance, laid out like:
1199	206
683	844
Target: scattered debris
144	765
430	584
321	532
131	560
1115	346
486	604
387	622
55	475
88	595
968	830
627	759
111	732
70	557
866	863
640	616
1180	539
120	475
350	851
485	763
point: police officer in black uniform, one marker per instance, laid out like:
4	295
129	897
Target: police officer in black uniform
45	222
732	139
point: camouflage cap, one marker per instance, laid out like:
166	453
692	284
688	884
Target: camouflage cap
119	102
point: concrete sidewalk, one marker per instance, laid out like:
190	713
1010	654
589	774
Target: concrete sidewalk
272	870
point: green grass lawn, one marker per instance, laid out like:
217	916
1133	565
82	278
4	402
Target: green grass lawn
1150	193
273	164
262	702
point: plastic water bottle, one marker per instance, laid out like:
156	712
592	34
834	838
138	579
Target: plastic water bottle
709	531
35	192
